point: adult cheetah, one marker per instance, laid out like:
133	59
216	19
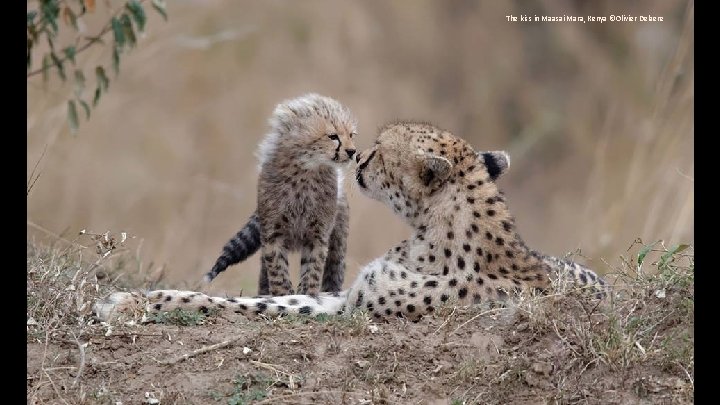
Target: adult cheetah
464	246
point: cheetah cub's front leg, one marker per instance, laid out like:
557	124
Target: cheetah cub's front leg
274	259
312	264
334	273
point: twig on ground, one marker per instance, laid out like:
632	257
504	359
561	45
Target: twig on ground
81	367
447	318
302	394
201	350
489	311
52	384
269	367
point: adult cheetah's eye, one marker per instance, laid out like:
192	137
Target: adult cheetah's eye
334	137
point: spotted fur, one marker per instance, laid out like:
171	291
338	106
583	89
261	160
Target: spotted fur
464	247
301	202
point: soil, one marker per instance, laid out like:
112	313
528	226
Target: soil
457	356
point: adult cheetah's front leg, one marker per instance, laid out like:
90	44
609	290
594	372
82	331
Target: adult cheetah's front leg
274	260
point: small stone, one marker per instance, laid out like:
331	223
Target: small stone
542	368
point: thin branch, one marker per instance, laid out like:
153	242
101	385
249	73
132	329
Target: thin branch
31	182
91	40
54	387
302	394
88	44
489	311
81	367
201	350
54	235
447	319
269	367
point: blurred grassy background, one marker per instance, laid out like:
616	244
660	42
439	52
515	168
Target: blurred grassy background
597	118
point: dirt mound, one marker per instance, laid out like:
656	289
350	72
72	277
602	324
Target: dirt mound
561	348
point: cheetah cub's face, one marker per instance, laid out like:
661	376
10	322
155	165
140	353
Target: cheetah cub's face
411	162
335	140
318	125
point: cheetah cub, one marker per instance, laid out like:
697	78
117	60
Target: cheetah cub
301	202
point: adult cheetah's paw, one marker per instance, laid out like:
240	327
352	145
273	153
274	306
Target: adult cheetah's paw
116	304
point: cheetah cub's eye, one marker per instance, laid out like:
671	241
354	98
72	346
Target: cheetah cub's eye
334	137
352	135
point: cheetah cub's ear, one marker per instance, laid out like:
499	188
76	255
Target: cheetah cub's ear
496	162
435	168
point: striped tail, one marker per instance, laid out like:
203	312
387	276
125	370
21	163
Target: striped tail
240	247
120	303
579	275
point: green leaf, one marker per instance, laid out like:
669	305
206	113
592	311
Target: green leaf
72	17
102	84
59	64
50	10
29	52
159	6
98	93
138	14
128	29
46	67
72	116
85	107
102	78
116	59
83	9
644	251
31	17
32	32
667	256
70	53
79	82
118	32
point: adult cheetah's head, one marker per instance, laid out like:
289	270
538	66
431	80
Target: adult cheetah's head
319	126
413	161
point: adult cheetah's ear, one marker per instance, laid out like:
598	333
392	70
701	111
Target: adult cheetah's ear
435	168
496	162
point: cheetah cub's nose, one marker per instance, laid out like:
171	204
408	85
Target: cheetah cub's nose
357	157
350	152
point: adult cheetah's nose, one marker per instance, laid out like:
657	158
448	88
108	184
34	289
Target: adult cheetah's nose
350	152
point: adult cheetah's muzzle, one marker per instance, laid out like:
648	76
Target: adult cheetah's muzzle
358	172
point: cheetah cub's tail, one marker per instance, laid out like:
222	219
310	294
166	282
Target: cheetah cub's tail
156	301
241	246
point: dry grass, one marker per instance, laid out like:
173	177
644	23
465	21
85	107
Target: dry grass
576	346
563	347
